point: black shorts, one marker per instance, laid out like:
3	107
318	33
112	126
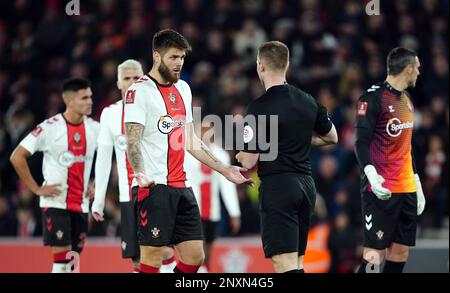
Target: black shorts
389	221
211	230
64	228
286	205
167	215
128	230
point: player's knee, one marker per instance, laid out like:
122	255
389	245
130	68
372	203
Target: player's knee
285	262
398	254
195	257
151	256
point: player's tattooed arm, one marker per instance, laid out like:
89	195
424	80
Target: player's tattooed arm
199	150
134	133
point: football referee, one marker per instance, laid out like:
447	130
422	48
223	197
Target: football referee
287	190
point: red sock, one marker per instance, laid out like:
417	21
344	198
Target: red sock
185	268
146	269
60	257
135	270
169	261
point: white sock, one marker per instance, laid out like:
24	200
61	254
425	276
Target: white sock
168	268
203	270
60	268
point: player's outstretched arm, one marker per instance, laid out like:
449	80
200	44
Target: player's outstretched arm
201	152
19	161
102	171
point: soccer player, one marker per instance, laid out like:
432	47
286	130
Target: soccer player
68	141
287	190
208	187
112	135
158	123
392	195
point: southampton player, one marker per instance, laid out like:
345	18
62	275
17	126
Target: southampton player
158	123
208	187
392	195
112	136
68	142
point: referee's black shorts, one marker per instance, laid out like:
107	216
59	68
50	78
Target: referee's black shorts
286	205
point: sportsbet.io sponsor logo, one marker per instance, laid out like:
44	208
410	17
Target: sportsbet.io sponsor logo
395	127
67	159
166	124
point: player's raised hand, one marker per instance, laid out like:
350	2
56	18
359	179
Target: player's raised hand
233	173
143	180
48	190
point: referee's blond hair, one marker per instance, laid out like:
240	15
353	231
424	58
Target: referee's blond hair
275	54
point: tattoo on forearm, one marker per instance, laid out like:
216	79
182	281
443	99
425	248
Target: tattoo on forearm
134	132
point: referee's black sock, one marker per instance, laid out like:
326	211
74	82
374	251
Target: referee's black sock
392	267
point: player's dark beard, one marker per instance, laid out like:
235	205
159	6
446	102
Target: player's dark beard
166	74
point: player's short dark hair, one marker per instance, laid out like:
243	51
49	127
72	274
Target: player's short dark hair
167	38
275	55
75	84
398	59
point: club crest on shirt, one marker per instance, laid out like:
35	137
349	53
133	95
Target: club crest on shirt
173	99
77	138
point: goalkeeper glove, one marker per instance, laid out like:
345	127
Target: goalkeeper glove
376	182
420	195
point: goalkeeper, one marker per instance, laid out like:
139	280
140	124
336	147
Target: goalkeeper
392	195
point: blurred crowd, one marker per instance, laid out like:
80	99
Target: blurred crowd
337	51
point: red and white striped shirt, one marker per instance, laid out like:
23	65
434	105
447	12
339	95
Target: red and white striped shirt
68	156
112	136
164	111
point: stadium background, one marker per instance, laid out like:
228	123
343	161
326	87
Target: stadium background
337	51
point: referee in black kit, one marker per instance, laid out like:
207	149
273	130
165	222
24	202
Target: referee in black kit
287	191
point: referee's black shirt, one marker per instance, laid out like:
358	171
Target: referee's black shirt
299	114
